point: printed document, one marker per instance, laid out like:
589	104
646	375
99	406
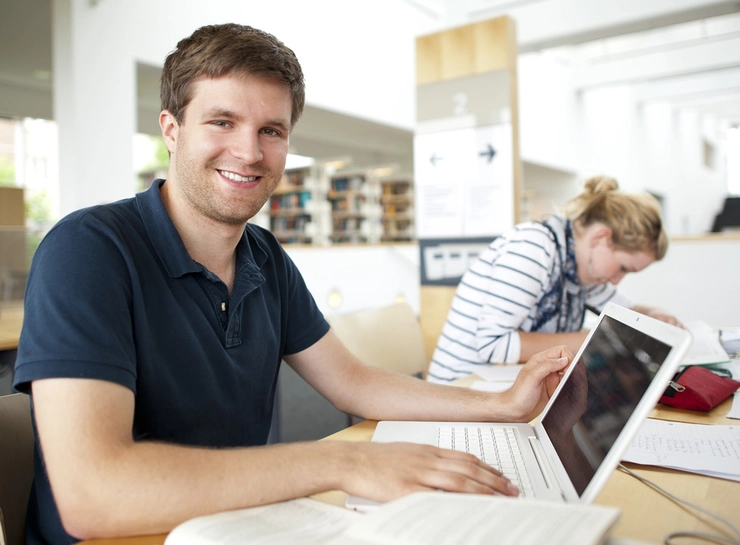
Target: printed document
697	448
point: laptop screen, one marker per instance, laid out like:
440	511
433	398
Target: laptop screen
597	400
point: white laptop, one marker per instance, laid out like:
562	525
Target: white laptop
615	380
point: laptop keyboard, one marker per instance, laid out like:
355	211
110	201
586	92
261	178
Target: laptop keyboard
497	447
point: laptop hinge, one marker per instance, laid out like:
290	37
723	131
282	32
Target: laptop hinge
543	462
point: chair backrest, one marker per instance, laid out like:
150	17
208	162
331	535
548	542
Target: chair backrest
388	337
2	529
16	464
435	305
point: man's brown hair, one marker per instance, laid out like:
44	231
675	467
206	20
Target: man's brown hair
216	50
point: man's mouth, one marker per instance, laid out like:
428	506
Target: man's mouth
236	178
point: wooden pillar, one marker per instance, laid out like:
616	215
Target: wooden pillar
466	81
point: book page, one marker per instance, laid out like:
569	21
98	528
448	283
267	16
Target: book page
706	347
304	521
439	518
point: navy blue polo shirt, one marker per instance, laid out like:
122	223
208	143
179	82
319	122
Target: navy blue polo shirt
114	295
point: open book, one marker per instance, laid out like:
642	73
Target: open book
424	518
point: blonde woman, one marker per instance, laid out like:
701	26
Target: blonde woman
530	289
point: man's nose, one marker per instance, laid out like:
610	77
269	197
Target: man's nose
247	148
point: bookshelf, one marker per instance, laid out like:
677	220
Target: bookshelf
297	208
355	208
397	201
317	205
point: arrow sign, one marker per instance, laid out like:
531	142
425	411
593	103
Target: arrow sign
434	158
490	152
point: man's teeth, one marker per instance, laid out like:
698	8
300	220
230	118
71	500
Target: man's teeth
236	178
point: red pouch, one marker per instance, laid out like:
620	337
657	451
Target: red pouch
698	388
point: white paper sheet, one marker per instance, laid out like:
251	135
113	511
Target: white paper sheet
485	386
735	409
498	373
697	448
705	347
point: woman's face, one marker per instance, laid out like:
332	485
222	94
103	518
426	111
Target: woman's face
602	263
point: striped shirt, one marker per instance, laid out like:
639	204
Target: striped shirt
526	280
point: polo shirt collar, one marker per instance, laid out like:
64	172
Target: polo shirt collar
169	245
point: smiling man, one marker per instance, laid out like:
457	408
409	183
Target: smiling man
155	328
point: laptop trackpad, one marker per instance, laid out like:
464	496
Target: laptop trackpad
390	431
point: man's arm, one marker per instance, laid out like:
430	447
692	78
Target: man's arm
378	394
106	484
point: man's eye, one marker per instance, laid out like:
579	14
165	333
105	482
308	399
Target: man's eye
220	123
271	132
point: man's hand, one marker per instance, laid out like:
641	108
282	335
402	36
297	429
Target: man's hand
385	471
536	382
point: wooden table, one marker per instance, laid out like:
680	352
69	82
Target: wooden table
646	515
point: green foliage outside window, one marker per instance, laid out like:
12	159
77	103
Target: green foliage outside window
160	158
38	207
38	218
156	165
7	172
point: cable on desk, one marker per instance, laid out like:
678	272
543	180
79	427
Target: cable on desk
698	535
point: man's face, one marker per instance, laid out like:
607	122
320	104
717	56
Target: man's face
229	152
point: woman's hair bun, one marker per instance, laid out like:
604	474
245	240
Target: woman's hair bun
600	184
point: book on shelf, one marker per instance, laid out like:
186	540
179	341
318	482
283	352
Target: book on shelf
423	518
290	200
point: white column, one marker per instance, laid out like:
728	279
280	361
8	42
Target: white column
94	101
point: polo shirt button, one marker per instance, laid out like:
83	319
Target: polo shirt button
223	306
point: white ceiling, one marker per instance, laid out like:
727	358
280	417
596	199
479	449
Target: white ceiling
681	52
688	56
692	65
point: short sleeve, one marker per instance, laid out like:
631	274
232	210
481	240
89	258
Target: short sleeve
77	320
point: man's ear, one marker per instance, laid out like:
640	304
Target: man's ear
602	232
170	127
